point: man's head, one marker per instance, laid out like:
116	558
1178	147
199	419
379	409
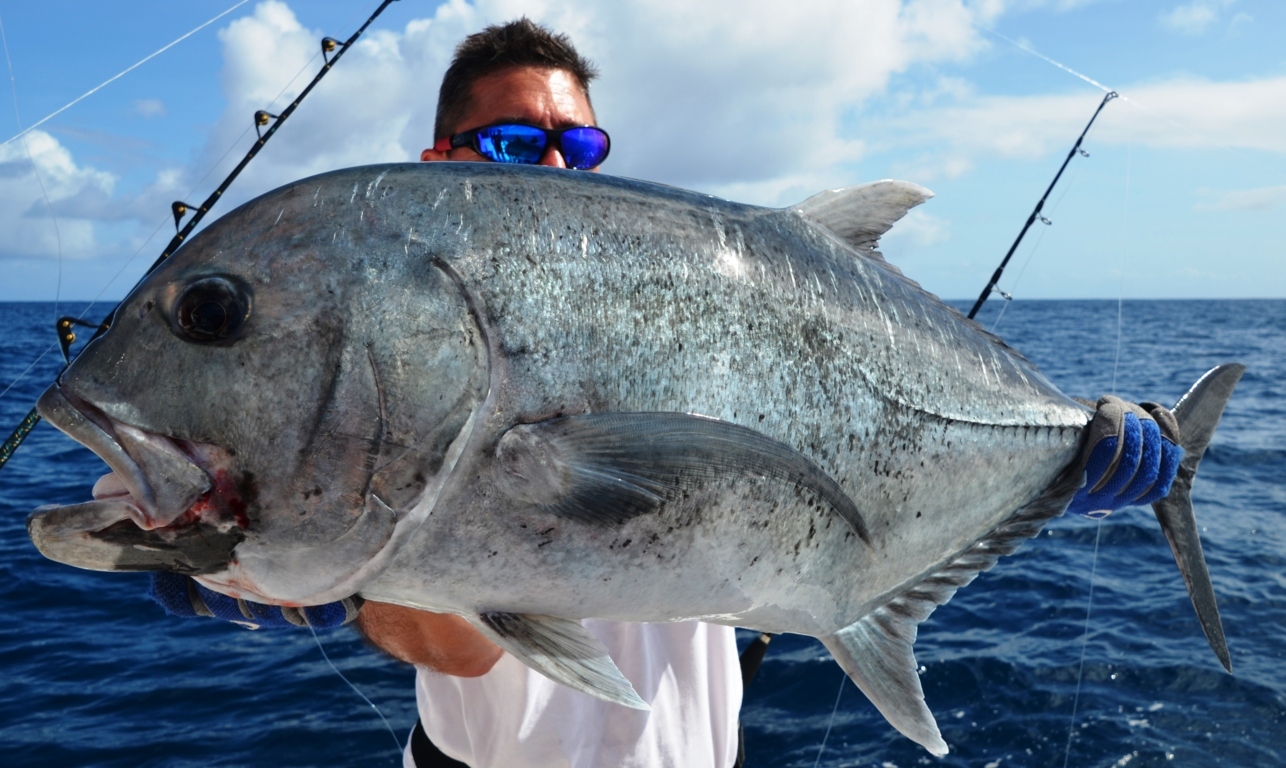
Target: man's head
518	72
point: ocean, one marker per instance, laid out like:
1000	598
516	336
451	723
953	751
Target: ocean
94	674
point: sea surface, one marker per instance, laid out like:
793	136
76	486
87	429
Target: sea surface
93	673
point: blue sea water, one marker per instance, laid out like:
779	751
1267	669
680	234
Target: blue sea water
93	673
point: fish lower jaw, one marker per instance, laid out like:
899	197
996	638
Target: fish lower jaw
163	475
221	511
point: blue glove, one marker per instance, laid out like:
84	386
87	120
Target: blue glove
183	596
1130	458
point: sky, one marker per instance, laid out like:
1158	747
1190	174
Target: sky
1182	194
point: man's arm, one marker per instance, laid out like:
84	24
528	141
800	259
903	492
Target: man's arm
442	642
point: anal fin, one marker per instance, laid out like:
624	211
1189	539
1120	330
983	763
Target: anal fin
877	654
877	650
563	651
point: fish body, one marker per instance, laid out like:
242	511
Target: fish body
753	317
530	397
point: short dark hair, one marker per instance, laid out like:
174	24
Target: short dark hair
520	43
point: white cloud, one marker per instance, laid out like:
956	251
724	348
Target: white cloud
149	108
731	96
29	232
1181	113
734	98
717	95
1195	17
1260	199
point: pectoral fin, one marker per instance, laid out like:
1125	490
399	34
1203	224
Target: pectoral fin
609	467
563	651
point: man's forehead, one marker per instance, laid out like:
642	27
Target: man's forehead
550	98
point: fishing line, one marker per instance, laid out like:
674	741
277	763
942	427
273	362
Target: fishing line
261	118
211	169
23	375
326	656
1125	229
119	75
1135	102
1120	312
126	265
214	166
1038	55
58	237
1098	531
1085	641
834	710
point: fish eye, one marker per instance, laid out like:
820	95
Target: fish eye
211	310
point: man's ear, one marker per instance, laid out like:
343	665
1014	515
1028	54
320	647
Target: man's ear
432	156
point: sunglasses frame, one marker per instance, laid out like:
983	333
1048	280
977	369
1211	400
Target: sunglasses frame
553	137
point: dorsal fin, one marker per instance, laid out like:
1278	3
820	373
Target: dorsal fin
861	214
876	651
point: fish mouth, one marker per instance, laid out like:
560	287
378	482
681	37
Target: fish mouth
168	503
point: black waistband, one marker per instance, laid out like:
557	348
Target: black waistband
426	754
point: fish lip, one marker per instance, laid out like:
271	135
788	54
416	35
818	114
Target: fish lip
99	536
112	440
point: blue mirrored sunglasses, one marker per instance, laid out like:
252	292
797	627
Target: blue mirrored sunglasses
582	146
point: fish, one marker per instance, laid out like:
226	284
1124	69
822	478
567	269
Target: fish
528	397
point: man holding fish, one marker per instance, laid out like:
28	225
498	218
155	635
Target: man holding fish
517	94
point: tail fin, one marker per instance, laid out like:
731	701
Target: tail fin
1198	413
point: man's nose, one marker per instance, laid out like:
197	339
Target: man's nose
553	158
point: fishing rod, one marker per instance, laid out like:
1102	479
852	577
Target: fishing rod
64	326
1035	214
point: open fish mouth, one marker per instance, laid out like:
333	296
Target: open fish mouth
168	503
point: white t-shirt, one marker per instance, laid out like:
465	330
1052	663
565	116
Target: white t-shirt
515	717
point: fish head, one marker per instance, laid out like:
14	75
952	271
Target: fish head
277	403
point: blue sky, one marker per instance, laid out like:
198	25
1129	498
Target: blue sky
1183	194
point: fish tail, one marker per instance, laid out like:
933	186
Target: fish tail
1198	413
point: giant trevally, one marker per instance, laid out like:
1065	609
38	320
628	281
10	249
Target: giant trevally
529	396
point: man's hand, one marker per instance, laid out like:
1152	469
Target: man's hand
439	641
183	596
1130	458
442	642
